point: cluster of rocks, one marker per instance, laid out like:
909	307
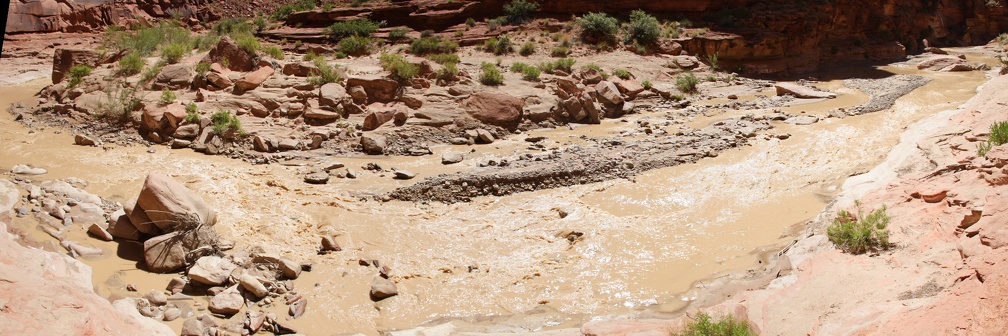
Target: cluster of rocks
588	98
948	63
882	92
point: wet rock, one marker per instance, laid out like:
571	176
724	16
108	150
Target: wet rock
172	314
382	288
171	206
317	178
495	108
211	270
404	175
27	170
253	285
485	136
179	144
253	79
84	140
802	120
451	158
329	244
799	91
80	249
297	308
237	59
156	298
228	302
163	254
100	232
373	143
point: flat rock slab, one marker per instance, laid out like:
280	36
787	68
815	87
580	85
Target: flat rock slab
799	91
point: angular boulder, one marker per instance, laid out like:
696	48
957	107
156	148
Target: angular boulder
252	79
174	77
211	270
495	108
228	52
332	95
378	88
799	91
171	206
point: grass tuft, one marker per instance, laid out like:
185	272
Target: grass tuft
491	75
858	232
705	325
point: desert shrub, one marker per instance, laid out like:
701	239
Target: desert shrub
223	122
564	64
145	41
519	67
286	10
704	325
426	33
202	68
357	3
642	28
77	74
356	27
247	42
432	45
444	58
399	67
274	51
448	72
192	113
647	85
233	26
596	67
687	82
310	56
527	49
1002	39
858	233
340	55
398	33
491	75
131	64
120	99
328	6
470	22
325	74
531	73
712	59
150	73
174	52
167	97
355	45
560	52
622	74
519	11
498	45
493	24
260	23
598	27
997	137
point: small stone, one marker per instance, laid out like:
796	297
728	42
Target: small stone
253	285
211	270
192	327
27	170
176	285
451	158
404	175
317	178
485	136
329	244
84	140
228	302
382	288
172	314
100	232
156	298
297	308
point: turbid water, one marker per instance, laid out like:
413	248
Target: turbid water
647	242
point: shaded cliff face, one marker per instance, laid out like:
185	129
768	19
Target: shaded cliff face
40	16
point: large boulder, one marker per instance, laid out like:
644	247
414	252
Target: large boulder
211	270
64	59
799	91
228	52
252	79
607	91
171	206
172	251
495	108
373	143
300	69
174	77
320	117
379	89
380	116
332	95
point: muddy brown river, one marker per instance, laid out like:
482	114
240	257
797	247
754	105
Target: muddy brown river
647	243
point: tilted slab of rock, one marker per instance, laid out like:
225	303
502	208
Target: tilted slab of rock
801	91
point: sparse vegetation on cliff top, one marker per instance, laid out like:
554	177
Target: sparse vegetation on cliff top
858	232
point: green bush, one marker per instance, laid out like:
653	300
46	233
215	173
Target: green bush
858	233
145	41
247	42
687	83
131	64
519	11
997	137
328	6
493	24
432	45
120	99
647	85
642	28
356	27
471	22
704	325
174	52
355	45
622	74
527	49
1002	39
448	72
498	45
598	27
192	113
531	73
77	74
491	75
167	97
274	51
286	10
150	73
325	74
399	67
398	33
202	68
444	58
310	56
560	52
223	122
565	64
